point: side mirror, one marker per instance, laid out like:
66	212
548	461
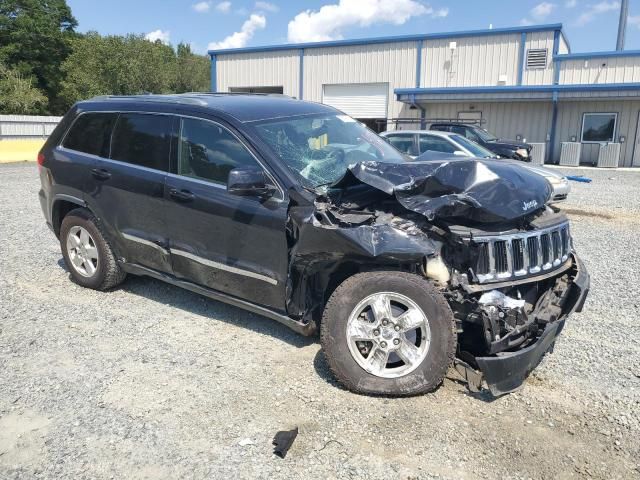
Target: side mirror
460	153
250	182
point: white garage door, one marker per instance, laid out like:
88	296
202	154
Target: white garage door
360	100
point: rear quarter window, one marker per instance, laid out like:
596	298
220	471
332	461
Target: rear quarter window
91	133
143	139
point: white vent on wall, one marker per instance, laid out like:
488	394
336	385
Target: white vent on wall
537	58
502	79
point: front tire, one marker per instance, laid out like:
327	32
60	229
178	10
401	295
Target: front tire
388	333
87	253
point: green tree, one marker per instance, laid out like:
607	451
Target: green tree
117	65
192	72
35	38
18	95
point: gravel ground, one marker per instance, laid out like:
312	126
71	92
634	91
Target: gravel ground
150	381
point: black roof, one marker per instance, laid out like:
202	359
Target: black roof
242	107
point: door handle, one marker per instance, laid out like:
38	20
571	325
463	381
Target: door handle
101	173
181	195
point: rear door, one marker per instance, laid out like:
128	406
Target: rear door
127	189
236	245
86	141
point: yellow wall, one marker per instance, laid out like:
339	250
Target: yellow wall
19	150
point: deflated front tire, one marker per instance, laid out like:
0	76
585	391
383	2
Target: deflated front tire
388	333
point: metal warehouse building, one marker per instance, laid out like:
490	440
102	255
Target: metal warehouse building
521	83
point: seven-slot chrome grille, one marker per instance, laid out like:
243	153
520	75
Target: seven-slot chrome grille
519	255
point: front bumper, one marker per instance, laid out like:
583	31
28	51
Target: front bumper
506	372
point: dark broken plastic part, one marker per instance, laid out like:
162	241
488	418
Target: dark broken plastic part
283	441
483	191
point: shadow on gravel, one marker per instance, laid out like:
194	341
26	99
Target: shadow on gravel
177	297
166	294
322	369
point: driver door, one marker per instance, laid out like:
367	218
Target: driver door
233	244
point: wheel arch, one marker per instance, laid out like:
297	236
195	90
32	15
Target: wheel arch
62	205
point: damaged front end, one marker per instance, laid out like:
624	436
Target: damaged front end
508	323
479	230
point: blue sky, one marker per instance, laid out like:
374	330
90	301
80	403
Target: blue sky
591	25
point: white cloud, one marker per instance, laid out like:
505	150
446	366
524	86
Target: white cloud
266	7
592	11
201	7
224	7
542	10
329	22
241	38
162	35
538	13
571	3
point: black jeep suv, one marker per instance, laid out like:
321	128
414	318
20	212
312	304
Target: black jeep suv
297	212
505	148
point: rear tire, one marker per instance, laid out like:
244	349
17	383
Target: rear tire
408	345
87	253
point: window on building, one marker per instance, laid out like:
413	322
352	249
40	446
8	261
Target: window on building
209	151
91	133
143	140
598	127
537	58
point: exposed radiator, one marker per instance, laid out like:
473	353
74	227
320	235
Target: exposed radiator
609	155
538	153
524	254
570	154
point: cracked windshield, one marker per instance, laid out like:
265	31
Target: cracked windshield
321	148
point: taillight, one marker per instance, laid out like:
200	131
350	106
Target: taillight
40	159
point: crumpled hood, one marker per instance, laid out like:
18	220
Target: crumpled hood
482	191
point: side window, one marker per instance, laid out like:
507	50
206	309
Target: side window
209	151
91	133
459	130
435	144
404	143
471	135
142	139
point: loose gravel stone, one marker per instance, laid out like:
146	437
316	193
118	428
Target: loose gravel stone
151	381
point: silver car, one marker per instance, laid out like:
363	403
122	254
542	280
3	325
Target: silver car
417	142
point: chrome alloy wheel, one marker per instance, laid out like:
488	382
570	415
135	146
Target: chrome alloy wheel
388	335
82	251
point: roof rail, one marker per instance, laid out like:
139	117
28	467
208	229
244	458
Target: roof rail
428	121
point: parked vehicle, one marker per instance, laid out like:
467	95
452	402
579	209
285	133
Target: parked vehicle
415	143
504	148
292	210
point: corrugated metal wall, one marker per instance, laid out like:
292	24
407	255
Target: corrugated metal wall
530	120
570	124
476	61
563	47
544	76
615	70
264	69
18	127
392	63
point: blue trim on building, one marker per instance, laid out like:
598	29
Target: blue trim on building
301	75
393	39
214	74
520	89
419	44
588	55
556	64
521	53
